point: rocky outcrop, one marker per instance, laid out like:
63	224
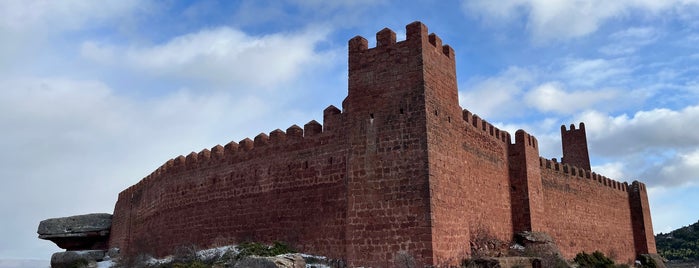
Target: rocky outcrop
539	243
85	237
82	232
81	258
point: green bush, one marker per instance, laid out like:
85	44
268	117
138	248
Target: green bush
258	249
596	260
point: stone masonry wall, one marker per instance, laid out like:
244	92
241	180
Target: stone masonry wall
587	212
286	187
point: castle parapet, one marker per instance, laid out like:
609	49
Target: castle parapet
473	120
416	35
573	171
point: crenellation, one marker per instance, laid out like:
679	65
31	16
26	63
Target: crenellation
358	43
385	37
448	51
415	31
332	118
191	161
230	148
294	132
476	121
435	40
466	116
246	144
217	152
204	155
277	136
179	163
261	140
312	128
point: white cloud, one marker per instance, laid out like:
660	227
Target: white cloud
615	170
560	20
657	128
630	40
592	72
679	170
29	16
552	97
222	55
495	97
655	145
70	140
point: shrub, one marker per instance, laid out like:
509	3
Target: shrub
258	249
596	260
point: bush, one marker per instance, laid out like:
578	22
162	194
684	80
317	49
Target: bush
595	260
258	249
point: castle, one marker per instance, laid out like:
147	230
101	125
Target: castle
402	167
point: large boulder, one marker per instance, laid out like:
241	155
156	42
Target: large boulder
77	259
82	232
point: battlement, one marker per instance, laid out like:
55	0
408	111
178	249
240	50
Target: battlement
416	36
573	171
522	137
474	121
572	128
234	151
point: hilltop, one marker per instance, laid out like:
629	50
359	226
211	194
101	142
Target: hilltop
680	244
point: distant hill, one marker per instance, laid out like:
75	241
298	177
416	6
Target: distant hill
680	244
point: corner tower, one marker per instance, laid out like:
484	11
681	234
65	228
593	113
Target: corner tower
395	90
574	143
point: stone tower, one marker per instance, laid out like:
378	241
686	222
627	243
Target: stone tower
392	90
574	143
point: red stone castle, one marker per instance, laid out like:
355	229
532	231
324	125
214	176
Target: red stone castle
402	167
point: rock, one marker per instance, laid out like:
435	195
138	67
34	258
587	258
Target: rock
280	261
82	232
537	243
80	259
651	260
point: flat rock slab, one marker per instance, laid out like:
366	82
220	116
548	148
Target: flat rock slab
81	232
76	224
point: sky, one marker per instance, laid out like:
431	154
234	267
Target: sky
95	95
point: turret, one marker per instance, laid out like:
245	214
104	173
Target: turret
574	143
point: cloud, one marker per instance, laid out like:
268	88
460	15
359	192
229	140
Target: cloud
630	40
221	55
552	97
495	97
655	145
68	141
593	72
654	129
20	16
561	20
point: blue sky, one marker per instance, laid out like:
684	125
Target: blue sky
94	95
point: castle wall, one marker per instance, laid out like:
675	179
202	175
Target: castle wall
402	169
287	187
586	212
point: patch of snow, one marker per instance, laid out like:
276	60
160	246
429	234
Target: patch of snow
105	264
212	253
